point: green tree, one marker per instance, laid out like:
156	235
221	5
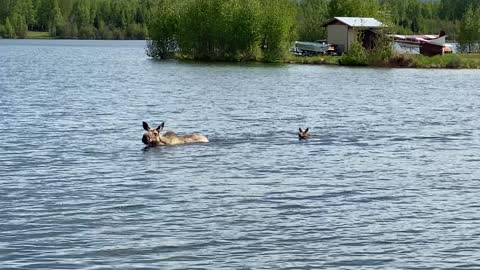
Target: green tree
55	19
200	28
278	29
9	32
311	15
163	31
19	25
470	30
81	13
353	8
356	56
242	29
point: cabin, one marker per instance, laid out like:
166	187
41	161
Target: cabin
343	31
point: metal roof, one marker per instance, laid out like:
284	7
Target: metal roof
357	22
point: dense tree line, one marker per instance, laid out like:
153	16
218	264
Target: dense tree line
403	16
85	19
231	29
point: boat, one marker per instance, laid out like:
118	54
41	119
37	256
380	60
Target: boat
307	48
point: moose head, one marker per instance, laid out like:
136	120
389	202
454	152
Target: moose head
303	134
152	135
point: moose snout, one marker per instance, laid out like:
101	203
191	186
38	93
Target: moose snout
145	139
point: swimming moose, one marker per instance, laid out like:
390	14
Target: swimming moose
153	137
303	134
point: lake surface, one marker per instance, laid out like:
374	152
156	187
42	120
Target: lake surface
389	180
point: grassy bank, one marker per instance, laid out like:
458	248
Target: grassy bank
313	60
471	61
37	35
438	61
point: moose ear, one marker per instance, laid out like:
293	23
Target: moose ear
145	126
159	128
300	130
306	130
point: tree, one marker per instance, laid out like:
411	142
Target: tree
163	31
353	8
278	29
242	29
470	30
356	56
311	15
9	32
19	25
81	13
55	19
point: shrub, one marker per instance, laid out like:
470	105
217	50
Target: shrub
438	61
356	56
86	32
401	60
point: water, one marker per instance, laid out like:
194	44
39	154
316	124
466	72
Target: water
389	180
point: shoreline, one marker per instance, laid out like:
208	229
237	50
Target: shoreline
417	61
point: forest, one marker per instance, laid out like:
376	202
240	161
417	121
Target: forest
76	19
240	29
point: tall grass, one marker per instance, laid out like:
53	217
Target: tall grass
446	61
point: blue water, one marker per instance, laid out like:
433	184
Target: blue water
389	180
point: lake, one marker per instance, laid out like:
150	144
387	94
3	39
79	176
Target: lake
389	180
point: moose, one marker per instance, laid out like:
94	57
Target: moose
303	134
153	137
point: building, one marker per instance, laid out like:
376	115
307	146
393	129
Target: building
343	31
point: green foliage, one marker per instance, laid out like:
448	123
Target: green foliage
243	21
234	30
438	61
199	29
356	56
353	8
311	15
163	31
217	20
382	52
8	30
79	18
315	60
19	25
470	31
382	48
278	29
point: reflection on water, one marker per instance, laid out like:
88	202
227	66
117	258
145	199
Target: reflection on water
389	178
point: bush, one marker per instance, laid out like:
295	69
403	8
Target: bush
453	61
86	32
401	60
356	56
438	61
135	31
8	30
382	51
118	34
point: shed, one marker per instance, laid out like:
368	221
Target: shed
343	31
